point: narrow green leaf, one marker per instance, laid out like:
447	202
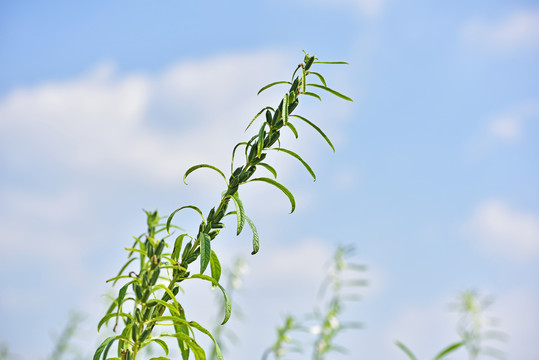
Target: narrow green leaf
295	71
205	251
261	134
313	95
303	80
109	316
448	350
193	168
319	76
257	115
292	128
317	129
406	350
289	152
160	358
215	266
269	167
182	329
167	290
234	152
256	239
178	247
191	343
197	350
103	345
331	62
240	212
280	187
205	331
228	304
123	268
285	109
331	91
273	84
184	207
173	311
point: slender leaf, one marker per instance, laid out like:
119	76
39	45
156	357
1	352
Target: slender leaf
193	168
261	135
257	115
406	350
331	91
123	268
292	128
240	212
182	329
234	152
317	129
256	239
269	167
289	152
448	350
313	95
280	187
191	343
167	290
109	316
215	266
319	76
295	71
273	84
173	311
184	207
205	331
285	109
178	247
205	251
103	345
331	62
228	304
303	80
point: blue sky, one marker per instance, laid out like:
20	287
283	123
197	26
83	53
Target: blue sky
103	106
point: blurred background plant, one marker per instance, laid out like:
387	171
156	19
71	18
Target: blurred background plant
474	328
327	320
234	283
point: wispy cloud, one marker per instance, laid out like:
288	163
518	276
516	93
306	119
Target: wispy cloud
510	125
501	229
519	30
99	122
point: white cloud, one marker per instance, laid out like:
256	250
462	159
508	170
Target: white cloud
101	122
501	229
506	127
510	125
519	30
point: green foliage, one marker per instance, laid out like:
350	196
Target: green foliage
473	328
325	323
63	344
284	343
148	298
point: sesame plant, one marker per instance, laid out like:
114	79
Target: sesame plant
326	322
474	329
149	303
